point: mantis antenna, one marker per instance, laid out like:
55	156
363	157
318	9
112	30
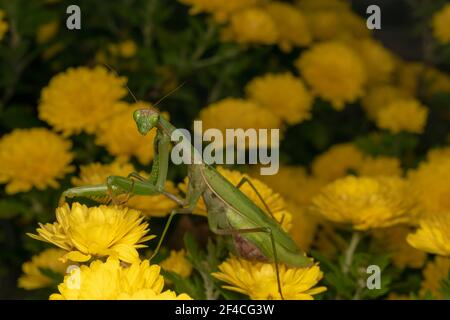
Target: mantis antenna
134	97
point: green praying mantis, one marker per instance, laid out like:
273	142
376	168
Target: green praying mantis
255	234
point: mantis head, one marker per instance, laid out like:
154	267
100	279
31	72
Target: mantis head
146	119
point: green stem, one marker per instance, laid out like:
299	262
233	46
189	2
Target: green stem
349	253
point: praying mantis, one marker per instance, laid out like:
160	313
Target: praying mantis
256	234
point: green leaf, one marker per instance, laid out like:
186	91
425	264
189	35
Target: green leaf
11	208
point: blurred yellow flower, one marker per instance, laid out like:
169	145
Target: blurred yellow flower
430	184
334	71
291	24
379	61
97	173
324	25
121	138
220	9
408	75
354	25
177	263
441	29
282	94
232	113
33	277
251	26
303	225
315	5
438	153
416	76
47	31
332	20
435	81
337	162
81	99
4	26
380	166
273	200
258	280
379	96
366	203
407	115
294	184
96	232
33	158
393	241
124	49
433	234
433	274
111	280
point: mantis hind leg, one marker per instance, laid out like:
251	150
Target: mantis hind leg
272	240
246	180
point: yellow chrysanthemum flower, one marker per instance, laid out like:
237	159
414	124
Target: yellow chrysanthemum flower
282	94
379	62
81	99
251	26
273	200
413	76
379	96
294	184
366	203
33	158
97	231
433	274
334	71
220	9
124	49
441	29
354	25
337	162
177	263
407	76
393	241
33	277
330	20
291	24
232	113
435	81
97	173
403	115
433	234
111	280
316	5
430	184
258	280
121	138
380	166
324	25
303	225
4	26
437	154
47	31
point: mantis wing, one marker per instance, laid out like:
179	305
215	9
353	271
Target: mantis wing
248	215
